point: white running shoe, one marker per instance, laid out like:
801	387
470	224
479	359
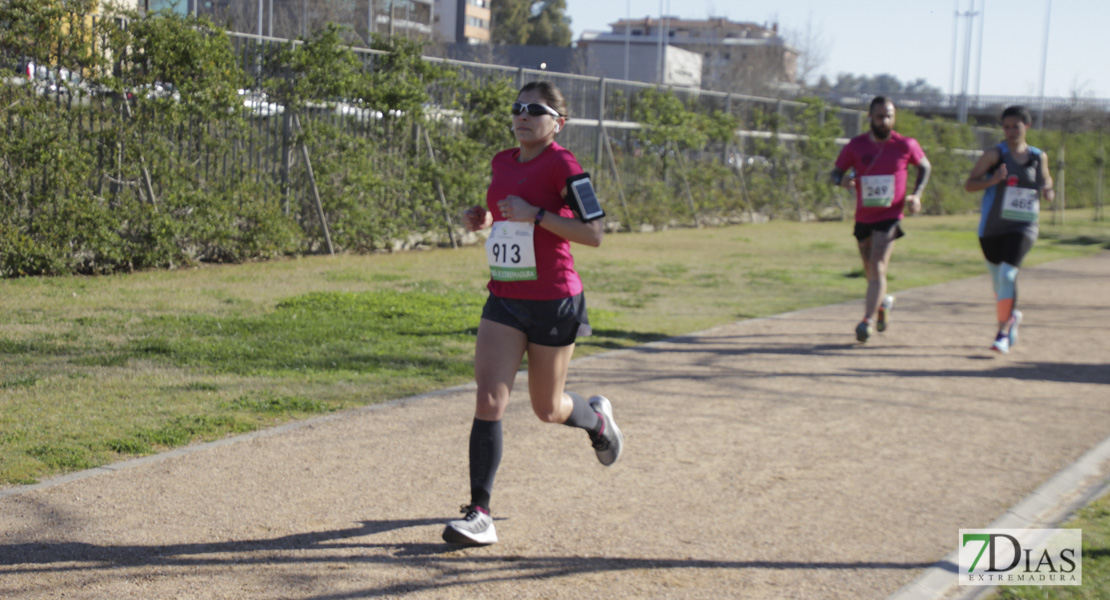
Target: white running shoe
1015	320
884	313
609	442
475	529
1001	343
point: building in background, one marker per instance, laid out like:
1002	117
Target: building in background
640	59
413	19
181	7
445	21
735	57
557	59
462	21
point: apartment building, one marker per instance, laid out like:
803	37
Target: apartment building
735	56
462	21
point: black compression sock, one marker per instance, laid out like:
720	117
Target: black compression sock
583	416
485	456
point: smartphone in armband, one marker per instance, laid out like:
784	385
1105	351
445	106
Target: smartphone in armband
584	200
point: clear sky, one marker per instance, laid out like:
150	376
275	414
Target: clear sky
913	40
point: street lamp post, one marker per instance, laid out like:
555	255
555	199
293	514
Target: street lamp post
961	114
1044	64
627	34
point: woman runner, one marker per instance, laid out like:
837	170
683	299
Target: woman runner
1015	177
535	306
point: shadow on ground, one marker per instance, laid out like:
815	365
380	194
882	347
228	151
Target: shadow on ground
457	566
1034	371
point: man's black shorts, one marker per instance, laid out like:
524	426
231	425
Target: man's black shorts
544	322
863	230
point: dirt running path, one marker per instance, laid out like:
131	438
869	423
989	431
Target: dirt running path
772	458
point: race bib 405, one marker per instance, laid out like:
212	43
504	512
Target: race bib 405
1020	204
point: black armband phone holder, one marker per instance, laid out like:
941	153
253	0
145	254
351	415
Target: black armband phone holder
583	199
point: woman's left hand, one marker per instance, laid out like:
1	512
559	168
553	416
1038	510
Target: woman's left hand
515	208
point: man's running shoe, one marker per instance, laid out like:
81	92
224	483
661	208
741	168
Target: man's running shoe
1015	320
863	330
1001	343
884	313
475	529
609	441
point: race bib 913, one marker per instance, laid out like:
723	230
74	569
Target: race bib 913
511	252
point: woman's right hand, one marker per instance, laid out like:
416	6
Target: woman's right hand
476	218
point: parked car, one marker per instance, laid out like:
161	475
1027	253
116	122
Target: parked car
258	104
50	81
156	91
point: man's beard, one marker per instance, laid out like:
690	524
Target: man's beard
880	131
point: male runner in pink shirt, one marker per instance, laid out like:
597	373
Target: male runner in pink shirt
879	160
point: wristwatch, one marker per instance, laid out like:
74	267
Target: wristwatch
539	216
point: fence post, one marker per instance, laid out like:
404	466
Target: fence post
1101	165
148	186
600	120
315	189
1061	191
439	190
616	176
286	150
685	181
728	111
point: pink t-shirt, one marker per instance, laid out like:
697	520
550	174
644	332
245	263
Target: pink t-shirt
540	181
873	160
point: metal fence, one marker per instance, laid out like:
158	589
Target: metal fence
602	133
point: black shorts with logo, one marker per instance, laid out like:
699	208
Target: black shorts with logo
863	230
544	322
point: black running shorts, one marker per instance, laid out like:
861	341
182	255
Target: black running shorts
1006	248
544	322
863	230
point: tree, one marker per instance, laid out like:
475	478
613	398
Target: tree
885	84
530	22
510	21
812	47
550	25
757	71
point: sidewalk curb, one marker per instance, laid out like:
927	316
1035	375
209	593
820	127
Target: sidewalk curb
1084	481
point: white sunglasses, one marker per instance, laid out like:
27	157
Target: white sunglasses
534	109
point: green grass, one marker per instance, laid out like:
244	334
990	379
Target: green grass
98	369
1094	520
101	369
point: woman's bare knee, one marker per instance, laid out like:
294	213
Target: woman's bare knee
490	405
552	409
549	414
549	417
